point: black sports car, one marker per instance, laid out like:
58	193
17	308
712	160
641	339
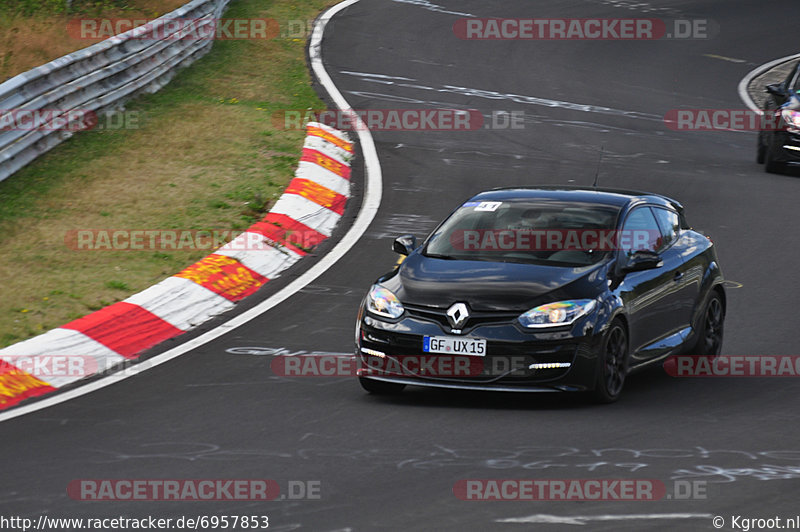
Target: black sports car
779	137
543	289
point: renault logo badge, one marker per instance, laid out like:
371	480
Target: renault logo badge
457	315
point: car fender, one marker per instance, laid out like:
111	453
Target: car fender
712	280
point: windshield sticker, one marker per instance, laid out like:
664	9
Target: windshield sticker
489	206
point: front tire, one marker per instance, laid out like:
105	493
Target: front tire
771	165
711	328
613	365
381	387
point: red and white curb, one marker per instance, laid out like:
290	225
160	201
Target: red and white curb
303	216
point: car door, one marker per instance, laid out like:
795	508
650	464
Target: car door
679	255
648	296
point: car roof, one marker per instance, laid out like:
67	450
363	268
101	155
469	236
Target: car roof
605	196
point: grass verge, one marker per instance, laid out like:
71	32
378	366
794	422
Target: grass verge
34	32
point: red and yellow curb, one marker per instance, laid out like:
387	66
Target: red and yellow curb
303	217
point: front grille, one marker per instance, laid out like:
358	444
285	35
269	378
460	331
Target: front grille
475	319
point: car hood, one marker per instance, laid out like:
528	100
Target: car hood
491	286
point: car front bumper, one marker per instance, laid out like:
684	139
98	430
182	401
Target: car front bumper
563	359
788	147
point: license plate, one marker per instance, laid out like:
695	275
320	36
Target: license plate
454	346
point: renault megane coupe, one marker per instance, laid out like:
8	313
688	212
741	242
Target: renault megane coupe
543	289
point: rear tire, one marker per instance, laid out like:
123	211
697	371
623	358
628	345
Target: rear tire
613	364
380	387
761	150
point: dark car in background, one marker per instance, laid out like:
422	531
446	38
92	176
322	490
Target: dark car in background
779	140
543	289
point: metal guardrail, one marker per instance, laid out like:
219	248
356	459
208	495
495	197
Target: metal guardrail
99	79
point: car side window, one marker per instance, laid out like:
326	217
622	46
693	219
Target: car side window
792	80
670	224
640	232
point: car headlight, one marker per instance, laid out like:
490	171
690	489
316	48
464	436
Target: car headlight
792	119
384	303
557	314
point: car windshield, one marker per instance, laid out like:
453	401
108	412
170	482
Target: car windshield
531	231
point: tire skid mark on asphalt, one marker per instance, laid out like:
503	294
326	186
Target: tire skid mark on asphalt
495	95
586	519
430	6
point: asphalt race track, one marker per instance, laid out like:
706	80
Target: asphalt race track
391	463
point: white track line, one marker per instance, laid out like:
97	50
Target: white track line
373	190
744	95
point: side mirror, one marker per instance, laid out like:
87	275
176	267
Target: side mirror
642	260
404	244
776	89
